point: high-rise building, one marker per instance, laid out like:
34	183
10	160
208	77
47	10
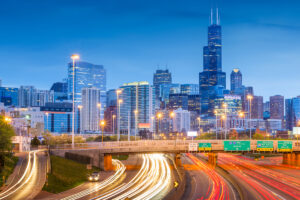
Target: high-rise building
181	120
161	77
178	101
292	112
277	107
236	83
166	90
137	107
41	97
189	89
257	107
111	98
110	118
212	74
58	117
60	91
87	75
90	112
194	103
25	96
9	96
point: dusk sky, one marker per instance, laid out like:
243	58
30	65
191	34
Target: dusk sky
131	38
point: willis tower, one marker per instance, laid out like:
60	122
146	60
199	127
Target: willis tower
212	80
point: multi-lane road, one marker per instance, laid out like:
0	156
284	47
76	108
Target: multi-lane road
234	177
28	178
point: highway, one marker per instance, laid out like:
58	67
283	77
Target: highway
29	179
153	181
119	171
260	182
205	182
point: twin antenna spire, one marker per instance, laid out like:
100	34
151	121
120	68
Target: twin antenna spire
217	20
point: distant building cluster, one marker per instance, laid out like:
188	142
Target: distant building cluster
150	110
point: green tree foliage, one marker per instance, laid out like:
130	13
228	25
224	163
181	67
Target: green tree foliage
258	136
35	141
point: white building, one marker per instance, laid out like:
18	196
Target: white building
21	143
90	110
181	120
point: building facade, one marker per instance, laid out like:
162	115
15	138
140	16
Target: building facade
161	77
277	107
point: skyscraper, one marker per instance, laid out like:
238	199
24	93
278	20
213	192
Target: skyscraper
212	75
292	112
86	75
189	89
257	107
90	113
235	80
9	96
25	96
161	77
137	108
277	107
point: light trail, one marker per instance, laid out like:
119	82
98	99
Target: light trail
286	184
120	169
153	177
219	188
17	187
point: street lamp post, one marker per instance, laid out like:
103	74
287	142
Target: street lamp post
119	109
73	57
102	124
118	113
250	97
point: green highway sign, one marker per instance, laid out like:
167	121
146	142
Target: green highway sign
264	146
236	145
284	146
204	146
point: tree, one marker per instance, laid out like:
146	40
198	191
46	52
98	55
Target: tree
233	134
35	141
258	136
6	134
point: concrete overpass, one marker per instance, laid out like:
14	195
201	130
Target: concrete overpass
101	153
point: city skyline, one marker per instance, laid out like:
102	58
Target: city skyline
182	39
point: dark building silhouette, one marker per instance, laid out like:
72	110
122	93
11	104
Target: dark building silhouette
161	77
236	81
277	107
212	75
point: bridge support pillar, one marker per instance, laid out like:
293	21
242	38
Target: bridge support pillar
108	162
212	158
291	159
178	159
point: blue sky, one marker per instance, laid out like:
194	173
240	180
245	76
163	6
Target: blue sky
131	38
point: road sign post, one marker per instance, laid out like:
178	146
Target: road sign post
237	145
264	146
204	146
285	146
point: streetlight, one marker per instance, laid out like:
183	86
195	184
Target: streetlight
250	97
119	106
8	119
135	123
73	57
118	91
102	124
